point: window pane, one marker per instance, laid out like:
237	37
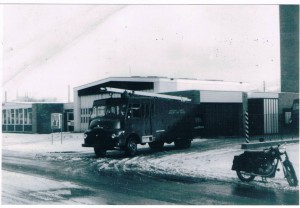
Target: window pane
25	116
29	116
3	116
12	112
17	116
8	116
21	116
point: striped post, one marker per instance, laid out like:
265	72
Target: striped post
247	127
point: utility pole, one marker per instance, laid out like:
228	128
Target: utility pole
69	94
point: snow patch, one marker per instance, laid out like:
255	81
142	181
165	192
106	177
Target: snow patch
193	163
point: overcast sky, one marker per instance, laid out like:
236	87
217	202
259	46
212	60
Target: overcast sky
48	47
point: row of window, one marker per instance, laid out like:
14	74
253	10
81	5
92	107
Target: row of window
17	116
85	114
86	111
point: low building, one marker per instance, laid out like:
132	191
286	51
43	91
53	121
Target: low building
85	95
32	117
263	113
273	113
222	105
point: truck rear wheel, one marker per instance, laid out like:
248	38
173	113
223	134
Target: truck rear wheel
100	152
131	147
182	143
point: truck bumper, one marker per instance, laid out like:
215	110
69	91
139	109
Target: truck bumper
87	145
106	143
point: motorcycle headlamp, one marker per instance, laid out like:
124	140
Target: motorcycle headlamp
281	149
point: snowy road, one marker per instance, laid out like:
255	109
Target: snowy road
35	171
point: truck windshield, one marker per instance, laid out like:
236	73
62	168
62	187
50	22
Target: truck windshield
117	110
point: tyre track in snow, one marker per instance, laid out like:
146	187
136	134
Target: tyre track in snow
146	167
161	164
153	164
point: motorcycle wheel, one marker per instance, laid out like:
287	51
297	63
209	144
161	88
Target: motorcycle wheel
245	177
290	173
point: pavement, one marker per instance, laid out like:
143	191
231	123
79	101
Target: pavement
257	144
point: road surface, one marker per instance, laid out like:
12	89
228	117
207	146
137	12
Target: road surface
28	179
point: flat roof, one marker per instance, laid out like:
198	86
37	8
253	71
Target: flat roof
17	104
153	79
118	79
265	95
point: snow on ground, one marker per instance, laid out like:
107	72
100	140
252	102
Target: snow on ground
195	163
36	187
42	143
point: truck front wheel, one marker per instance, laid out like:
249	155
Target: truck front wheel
100	152
131	147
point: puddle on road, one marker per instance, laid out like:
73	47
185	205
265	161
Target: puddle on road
64	152
60	194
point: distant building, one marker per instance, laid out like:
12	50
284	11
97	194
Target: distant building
34	117
222	105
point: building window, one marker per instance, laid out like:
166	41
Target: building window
20	116
29	121
17	116
3	116
85	114
8	116
12	116
25	116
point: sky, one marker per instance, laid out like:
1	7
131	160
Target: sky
48	47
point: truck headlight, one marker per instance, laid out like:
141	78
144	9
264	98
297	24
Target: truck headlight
84	136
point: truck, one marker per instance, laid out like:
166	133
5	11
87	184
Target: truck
123	122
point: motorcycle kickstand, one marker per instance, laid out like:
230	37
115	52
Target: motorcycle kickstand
264	179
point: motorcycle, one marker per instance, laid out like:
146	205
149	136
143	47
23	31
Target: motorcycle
264	163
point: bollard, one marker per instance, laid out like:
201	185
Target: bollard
246	127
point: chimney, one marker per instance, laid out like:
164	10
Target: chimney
289	47
69	99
